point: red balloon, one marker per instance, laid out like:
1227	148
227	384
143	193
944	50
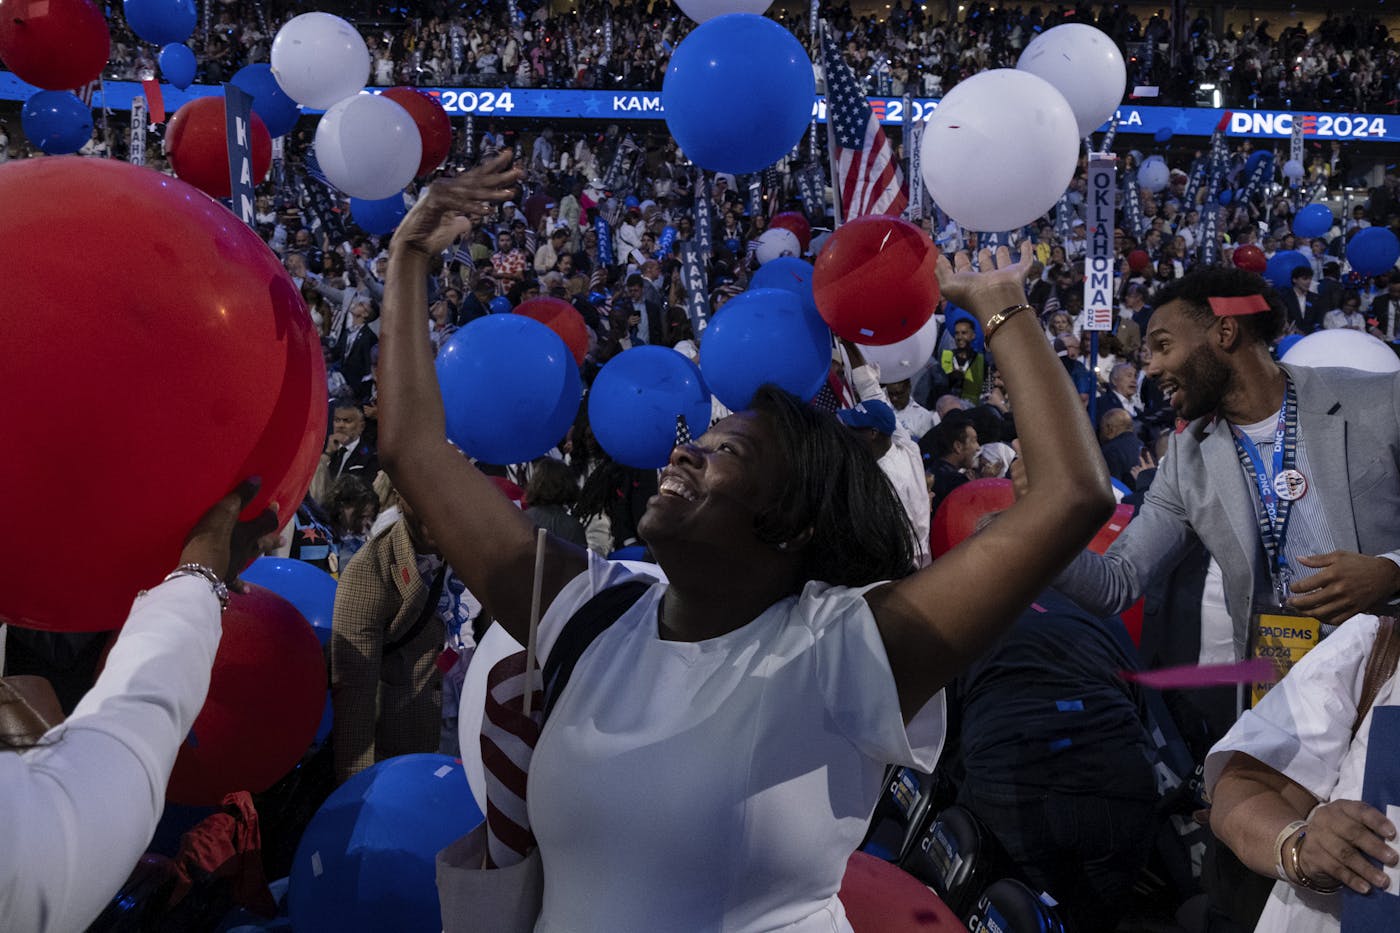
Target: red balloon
1139	261
794	221
874	281
1251	258
882	898
957	515
197	143
1112	528
142	385
433	124
57	45
562	318
266	697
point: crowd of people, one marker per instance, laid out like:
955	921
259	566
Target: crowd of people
1346	63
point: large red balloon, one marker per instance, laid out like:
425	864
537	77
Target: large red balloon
1251	258
57	45
197	143
957	515
794	221
562	318
874	281
266	697
433	124
141	383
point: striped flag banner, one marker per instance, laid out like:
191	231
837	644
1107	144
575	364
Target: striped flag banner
866	173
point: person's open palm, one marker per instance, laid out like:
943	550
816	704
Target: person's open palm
449	206
999	285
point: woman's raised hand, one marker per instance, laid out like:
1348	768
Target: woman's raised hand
448	207
1000	284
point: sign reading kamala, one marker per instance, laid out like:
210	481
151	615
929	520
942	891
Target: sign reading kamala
549	103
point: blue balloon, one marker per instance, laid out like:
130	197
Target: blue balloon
500	305
738	93
631	552
379	216
56	121
177	65
510	386
1279	271
1313	221
1163	135
790	274
1285	344
367	861
1372	251
764	336
310	589
160	22
634	402
1226	197
278	111
1254	159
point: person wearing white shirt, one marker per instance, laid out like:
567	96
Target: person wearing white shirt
80	806
912	417
1346	317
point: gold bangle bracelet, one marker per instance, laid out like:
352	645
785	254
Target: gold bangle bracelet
1304	880
1001	317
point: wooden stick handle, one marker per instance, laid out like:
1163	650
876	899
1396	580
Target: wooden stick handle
532	641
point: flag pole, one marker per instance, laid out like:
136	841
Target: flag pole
830	138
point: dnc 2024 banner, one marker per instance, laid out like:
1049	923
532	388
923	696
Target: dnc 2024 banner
557	104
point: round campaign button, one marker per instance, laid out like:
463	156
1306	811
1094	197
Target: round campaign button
1290	485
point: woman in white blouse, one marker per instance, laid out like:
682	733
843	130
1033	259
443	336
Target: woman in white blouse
715	757
79	807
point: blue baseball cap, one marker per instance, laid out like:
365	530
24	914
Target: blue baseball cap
869	414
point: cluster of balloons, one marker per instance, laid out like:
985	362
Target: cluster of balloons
56	46
738	91
1003	144
307	587
369	146
235	337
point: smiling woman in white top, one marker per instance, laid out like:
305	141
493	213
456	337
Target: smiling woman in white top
718	751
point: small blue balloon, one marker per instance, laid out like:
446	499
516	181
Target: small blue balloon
790	274
738	93
1164	135
161	22
1279	271
57	122
177	65
764	336
634	402
510	388
367	860
378	216
500	305
278	111
1372	251
1286	344
1226	197
1254	159
310	589
1313	221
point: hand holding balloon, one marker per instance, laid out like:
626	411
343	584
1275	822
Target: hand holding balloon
224	544
451	205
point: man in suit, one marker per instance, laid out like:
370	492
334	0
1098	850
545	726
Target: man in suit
1298	300
1383	322
1122	450
646	317
347	452
1341	545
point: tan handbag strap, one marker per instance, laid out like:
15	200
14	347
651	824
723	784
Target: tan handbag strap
28	709
1380	666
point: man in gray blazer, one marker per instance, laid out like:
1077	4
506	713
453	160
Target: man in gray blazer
1209	341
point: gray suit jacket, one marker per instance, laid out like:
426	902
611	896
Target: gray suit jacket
1350	421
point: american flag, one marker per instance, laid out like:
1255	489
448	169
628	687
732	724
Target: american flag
867	173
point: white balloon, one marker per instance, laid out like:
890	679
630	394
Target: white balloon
899	361
1154	175
318	59
776	242
1084	65
1000	150
1351	349
702	10
1293	169
368	146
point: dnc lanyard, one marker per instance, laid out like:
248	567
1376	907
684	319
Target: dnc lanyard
1273	523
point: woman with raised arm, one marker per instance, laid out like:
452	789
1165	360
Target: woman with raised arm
716	755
